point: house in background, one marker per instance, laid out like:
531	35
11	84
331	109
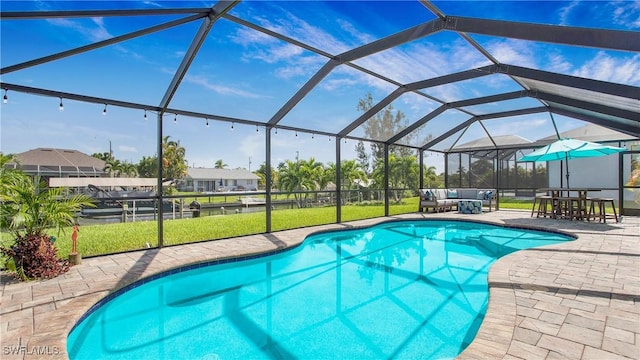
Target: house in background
209	180
59	163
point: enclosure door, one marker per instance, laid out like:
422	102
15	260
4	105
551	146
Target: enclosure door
630	196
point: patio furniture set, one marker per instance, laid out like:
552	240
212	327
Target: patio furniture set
465	200
559	204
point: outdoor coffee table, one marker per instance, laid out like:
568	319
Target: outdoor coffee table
469	206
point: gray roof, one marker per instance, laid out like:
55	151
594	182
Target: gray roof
485	143
58	158
210	173
593	133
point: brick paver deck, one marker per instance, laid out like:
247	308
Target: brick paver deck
579	299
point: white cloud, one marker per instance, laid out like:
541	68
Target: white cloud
223	90
516	52
626	13
565	12
557	63
93	33
625	70
127	149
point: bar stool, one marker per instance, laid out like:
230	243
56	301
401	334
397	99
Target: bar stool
575	210
601	214
564	208
543	205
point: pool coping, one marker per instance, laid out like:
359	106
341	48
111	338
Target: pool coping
53	317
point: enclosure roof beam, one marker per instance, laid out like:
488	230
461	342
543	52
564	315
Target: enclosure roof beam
598	86
510	113
393	40
459	76
220	8
568	35
303	91
483	117
67	14
417	124
631	128
448	133
454	105
100	44
489	99
371	112
590	106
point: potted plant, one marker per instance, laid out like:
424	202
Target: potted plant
28	207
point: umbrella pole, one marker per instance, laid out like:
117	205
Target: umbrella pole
566	166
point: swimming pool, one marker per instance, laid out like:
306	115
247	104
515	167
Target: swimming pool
406	289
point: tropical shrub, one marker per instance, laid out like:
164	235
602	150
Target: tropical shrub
28	207
36	257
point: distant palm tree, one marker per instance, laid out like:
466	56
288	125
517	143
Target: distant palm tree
129	169
174	165
294	177
220	164
351	172
430	177
113	167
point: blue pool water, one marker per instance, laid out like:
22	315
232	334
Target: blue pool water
407	290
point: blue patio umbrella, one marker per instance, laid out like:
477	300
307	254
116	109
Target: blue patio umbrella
565	149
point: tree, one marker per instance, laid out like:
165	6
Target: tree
8	174
430	177
363	157
128	169
220	164
103	156
262	175
403	174
113	167
174	164
293	177
351	172
402	160
148	167
28	209
481	174
382	126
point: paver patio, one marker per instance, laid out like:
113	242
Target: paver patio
579	299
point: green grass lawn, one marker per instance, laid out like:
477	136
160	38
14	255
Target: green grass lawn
119	237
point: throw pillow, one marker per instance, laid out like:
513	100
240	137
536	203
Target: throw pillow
452	194
480	195
488	194
427	195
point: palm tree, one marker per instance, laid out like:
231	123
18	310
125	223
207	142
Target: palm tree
28	209
262	175
113	167
174	165
128	169
430	177
293	178
351	172
7	174
220	164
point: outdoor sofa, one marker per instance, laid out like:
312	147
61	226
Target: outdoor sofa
447	199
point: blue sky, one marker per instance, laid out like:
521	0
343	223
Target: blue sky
245	74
